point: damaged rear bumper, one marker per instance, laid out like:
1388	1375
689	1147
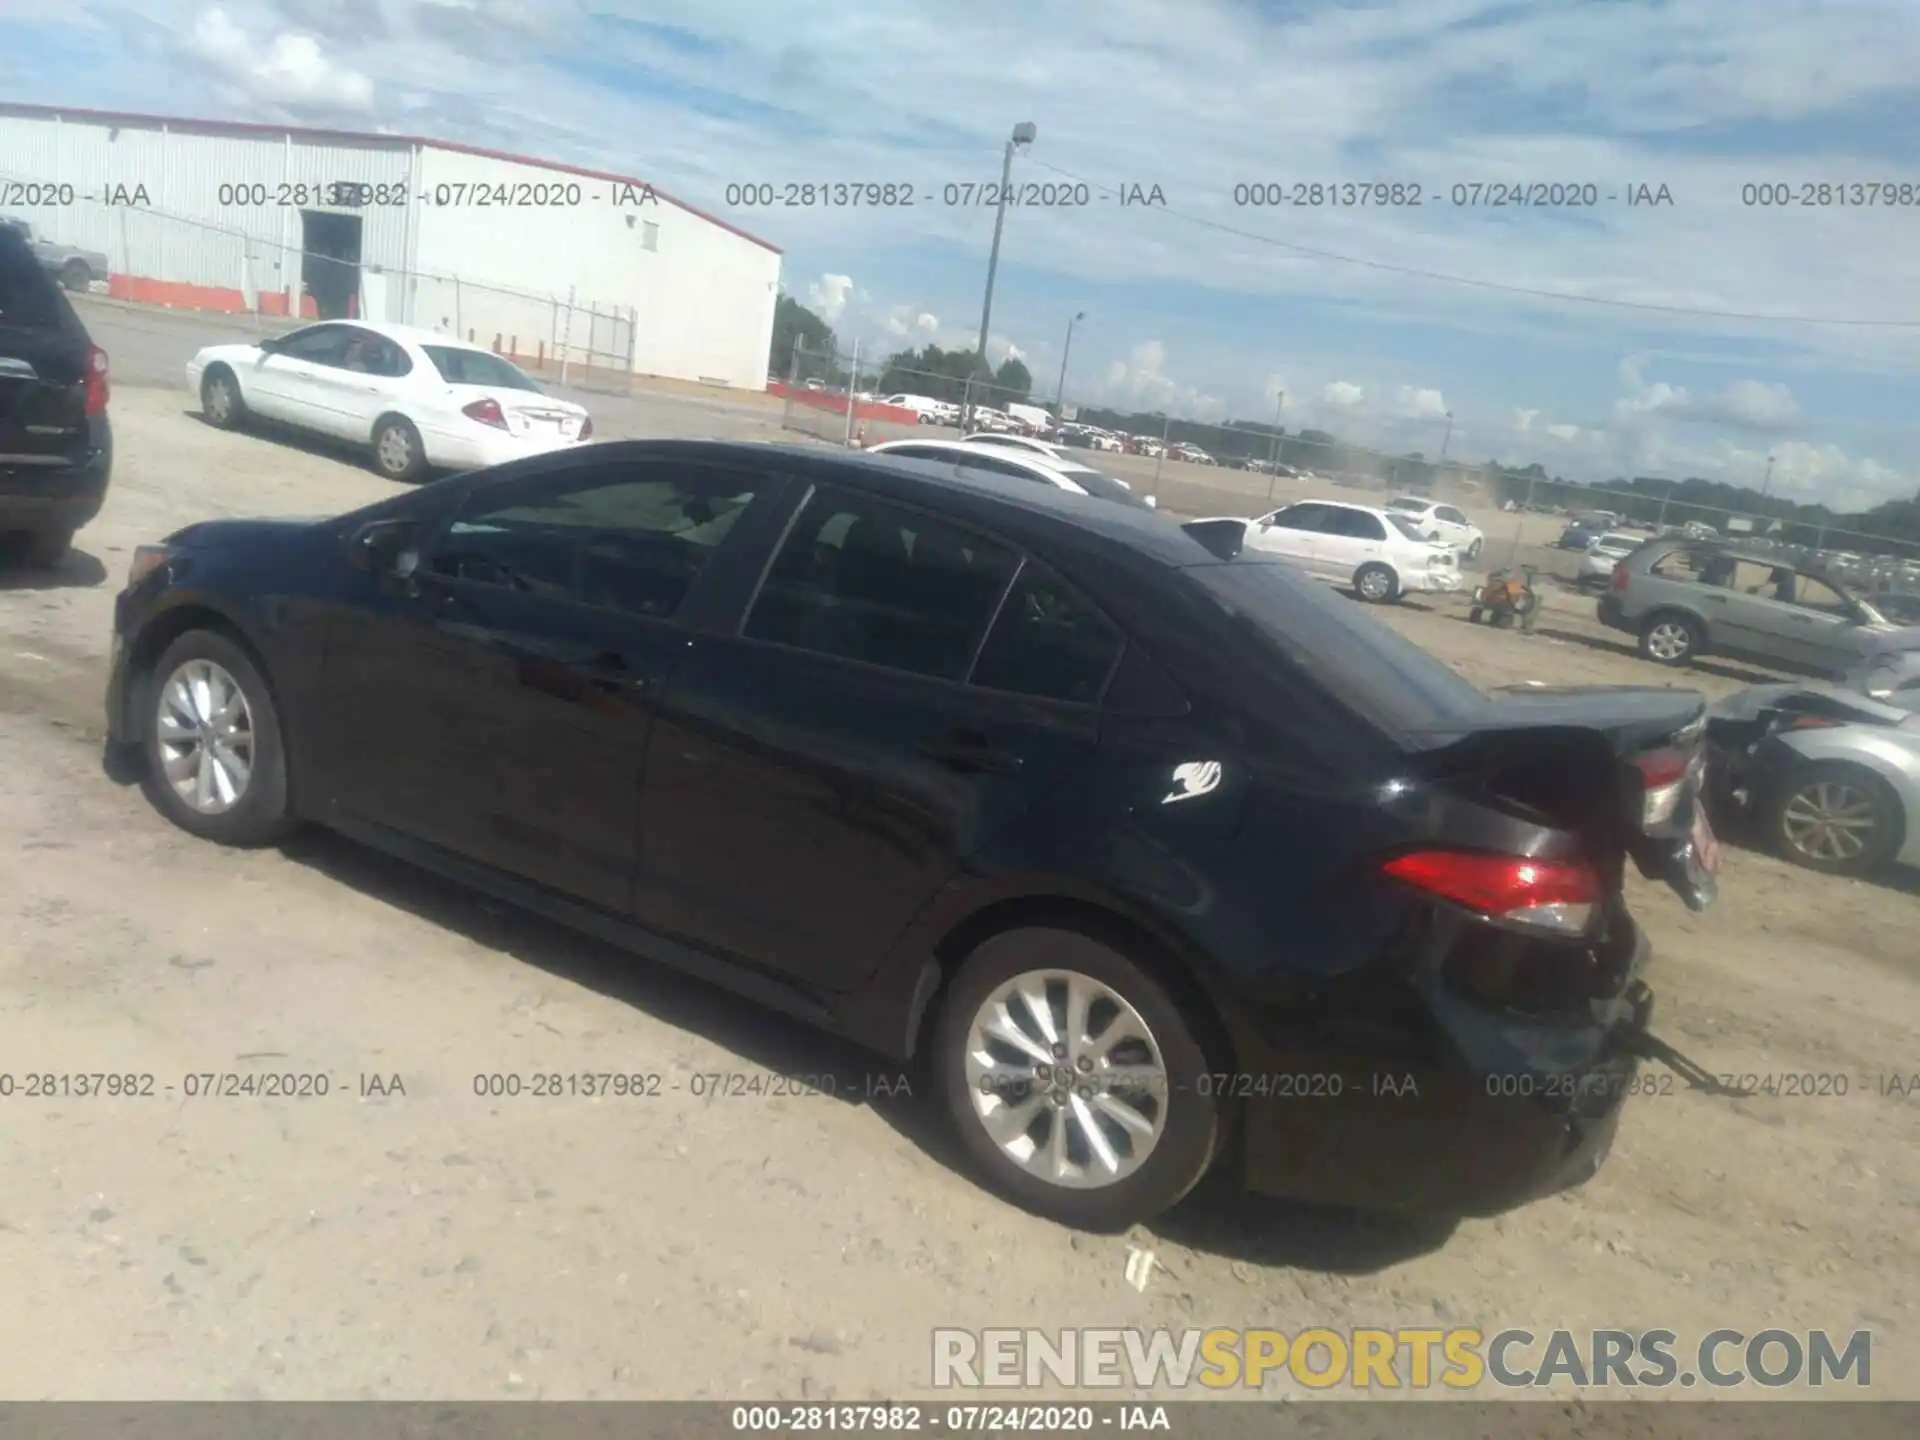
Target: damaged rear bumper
1516	1107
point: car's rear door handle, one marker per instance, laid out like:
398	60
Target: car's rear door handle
971	755
609	671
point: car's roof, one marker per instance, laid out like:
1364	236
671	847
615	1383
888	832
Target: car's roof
1338	505
1030	513
1037	463
406	334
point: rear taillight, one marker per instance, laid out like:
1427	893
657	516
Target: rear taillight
1619	577
1555	895
487	412
586	427
1663	773
96	380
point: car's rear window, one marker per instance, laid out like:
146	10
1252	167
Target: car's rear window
1621	542
1360	660
1406	527
28	296
477	367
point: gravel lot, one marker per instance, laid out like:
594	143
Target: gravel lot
438	1245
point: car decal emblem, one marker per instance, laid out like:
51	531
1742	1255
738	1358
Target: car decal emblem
1198	777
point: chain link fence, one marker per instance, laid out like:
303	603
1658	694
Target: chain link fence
307	265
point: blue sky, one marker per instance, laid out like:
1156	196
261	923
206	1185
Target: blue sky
1201	308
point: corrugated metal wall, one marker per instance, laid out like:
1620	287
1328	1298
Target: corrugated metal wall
207	210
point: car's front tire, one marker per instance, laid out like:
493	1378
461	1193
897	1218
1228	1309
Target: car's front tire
1833	817
221	401
216	761
1376	584
398	452
1473	550
1077	1084
77	276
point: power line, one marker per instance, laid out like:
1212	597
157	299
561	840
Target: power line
1493	285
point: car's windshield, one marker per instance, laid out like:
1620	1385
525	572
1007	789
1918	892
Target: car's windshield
460	366
1095	482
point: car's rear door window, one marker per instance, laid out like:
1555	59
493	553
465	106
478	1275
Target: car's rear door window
1048	642
884	584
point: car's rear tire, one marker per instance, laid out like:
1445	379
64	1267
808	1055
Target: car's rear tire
398	452
1670	638
216	765
1376	584
1473	550
1101	1147
45	548
1830	816
77	276
221	402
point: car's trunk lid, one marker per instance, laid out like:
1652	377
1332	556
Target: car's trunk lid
1622	767
528	413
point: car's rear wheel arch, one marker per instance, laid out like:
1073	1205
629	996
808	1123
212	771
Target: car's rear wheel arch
1169	960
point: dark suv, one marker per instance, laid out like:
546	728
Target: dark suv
1158	856
56	448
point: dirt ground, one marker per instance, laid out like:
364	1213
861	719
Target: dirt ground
434	1244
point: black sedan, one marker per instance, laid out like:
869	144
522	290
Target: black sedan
1158	856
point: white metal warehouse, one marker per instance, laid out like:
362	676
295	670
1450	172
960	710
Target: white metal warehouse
540	259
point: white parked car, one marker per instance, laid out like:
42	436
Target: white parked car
1604	552
1440	522
1018	464
1379	554
419	400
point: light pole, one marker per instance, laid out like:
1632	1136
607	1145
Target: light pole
1444	439
1767	484
1060	391
1023	134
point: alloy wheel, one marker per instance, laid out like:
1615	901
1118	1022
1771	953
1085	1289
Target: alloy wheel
220	402
1669	640
1830	820
204	727
1067	1079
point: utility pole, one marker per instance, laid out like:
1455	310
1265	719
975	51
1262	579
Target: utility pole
1060	390
1023	134
1273	457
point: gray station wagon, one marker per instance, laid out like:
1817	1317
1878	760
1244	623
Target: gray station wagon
1684	599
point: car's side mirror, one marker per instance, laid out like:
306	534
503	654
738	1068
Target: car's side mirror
385	547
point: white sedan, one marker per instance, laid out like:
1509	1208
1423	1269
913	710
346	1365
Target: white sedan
1019	464
1441	522
1603	553
1377	553
420	401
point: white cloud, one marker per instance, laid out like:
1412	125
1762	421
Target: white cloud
292	70
1137	91
828	295
1523	420
1343	395
1141	382
1417	404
